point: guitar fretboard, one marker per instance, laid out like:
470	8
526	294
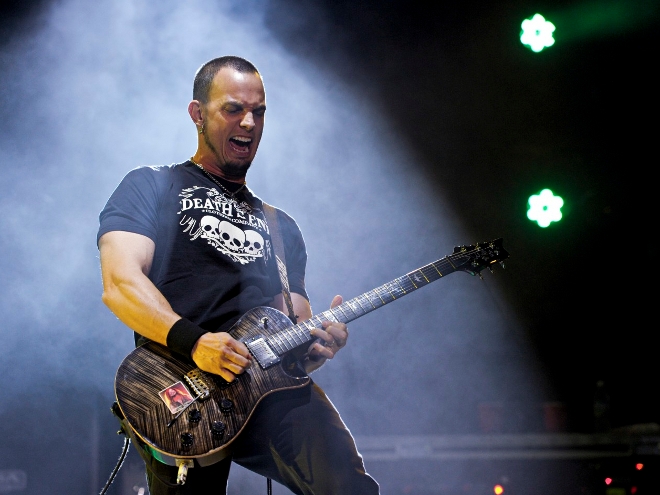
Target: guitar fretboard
297	335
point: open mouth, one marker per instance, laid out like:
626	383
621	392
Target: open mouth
240	144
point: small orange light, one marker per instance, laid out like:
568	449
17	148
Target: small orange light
608	481
639	466
498	489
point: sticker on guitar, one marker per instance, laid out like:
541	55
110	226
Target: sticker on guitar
176	397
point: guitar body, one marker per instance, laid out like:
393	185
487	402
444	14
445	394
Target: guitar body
152	368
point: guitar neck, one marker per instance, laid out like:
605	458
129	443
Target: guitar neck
299	334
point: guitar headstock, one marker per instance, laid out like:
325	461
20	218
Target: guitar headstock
474	258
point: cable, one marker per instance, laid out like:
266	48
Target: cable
127	442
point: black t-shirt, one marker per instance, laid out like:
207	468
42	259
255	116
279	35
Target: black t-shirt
214	258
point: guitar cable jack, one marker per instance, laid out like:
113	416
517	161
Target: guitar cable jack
183	465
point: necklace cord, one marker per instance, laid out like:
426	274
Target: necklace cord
210	176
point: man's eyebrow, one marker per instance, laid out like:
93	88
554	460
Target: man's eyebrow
232	104
236	104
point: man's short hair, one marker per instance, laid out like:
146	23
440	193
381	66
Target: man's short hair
206	73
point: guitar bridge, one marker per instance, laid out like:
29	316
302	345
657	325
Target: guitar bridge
262	352
200	386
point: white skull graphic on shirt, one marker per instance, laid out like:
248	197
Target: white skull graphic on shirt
219	226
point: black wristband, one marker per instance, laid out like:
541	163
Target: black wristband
183	335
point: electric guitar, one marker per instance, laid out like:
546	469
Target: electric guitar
180	413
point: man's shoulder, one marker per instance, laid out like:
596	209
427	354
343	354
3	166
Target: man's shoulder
154	175
155	170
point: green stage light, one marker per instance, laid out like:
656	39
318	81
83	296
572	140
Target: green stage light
544	208
537	33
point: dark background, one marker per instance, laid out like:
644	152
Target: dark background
496	123
491	123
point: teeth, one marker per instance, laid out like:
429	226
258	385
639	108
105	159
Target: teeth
242	139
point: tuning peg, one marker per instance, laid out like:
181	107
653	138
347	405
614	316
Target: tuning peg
491	270
502	264
480	275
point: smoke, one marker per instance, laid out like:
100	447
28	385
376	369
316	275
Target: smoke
100	88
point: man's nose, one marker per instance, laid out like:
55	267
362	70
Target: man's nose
248	121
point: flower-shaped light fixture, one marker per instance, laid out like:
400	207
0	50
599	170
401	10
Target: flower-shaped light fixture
537	33
545	208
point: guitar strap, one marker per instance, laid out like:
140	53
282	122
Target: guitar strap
280	258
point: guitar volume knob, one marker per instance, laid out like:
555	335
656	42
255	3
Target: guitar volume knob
186	440
194	416
226	405
218	429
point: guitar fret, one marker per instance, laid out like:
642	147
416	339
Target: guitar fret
420	278
436	269
275	341
385	293
316	321
378	294
401	288
330	315
391	290
388	287
412	281
346	318
409	283
371	299
307	324
351	304
294	334
282	343
356	307
286	340
303	333
364	298
290	341
447	266
430	273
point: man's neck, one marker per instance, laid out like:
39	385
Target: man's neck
212	168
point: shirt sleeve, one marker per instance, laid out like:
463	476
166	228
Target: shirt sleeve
133	206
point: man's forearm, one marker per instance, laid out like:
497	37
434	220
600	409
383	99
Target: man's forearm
127	290
141	306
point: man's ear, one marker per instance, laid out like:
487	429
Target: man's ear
195	112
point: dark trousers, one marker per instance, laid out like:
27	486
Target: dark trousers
296	438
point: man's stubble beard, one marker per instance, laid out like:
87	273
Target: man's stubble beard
231	170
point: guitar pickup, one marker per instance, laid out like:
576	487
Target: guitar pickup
199	384
262	352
